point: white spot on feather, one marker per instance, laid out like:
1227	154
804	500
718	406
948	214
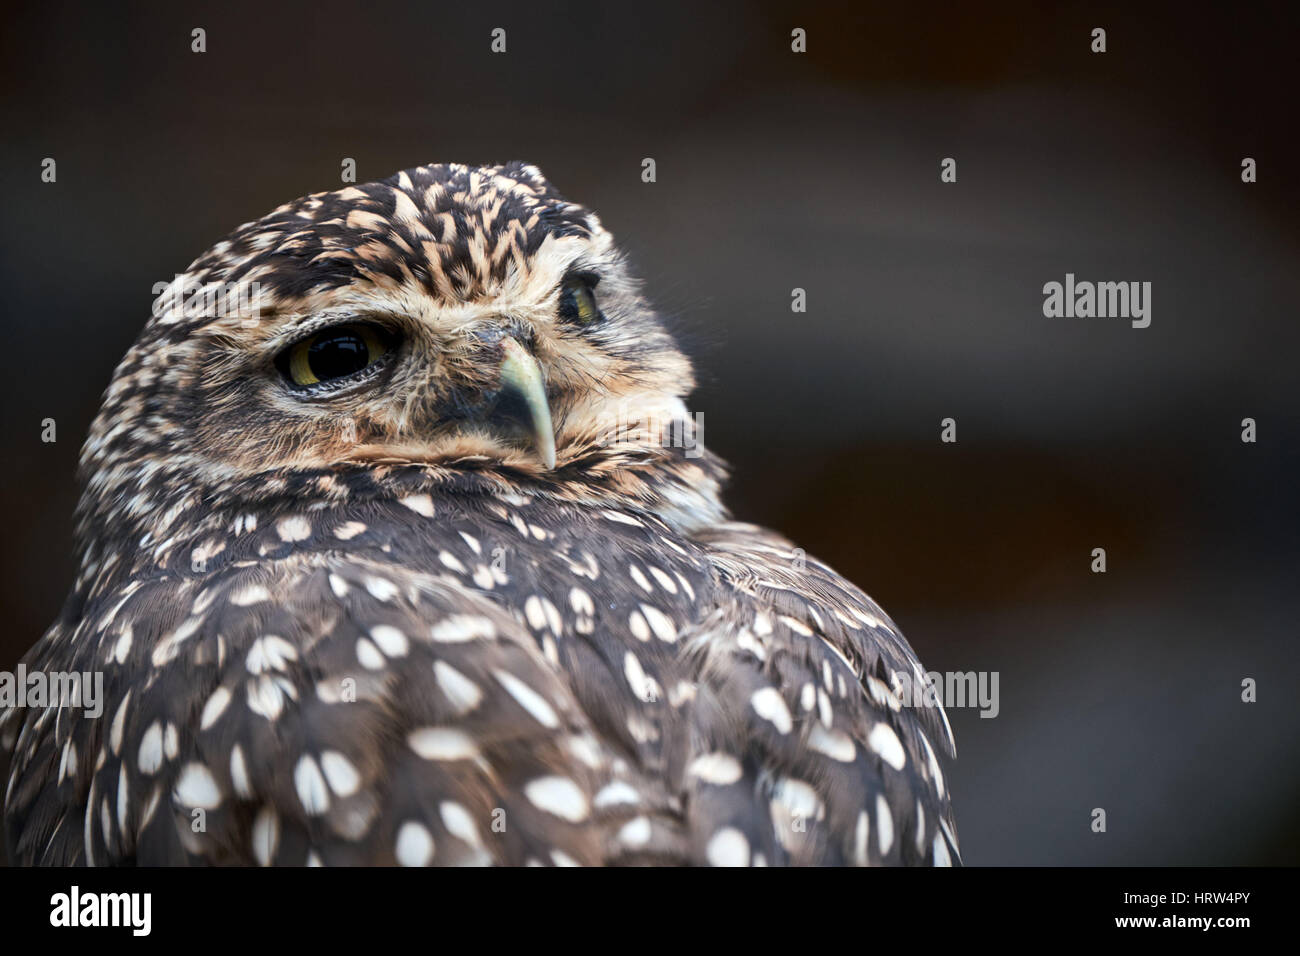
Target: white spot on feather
196	787
442	743
646	688
640	629
123	645
269	653
414	845
941	855
310	784
293	528
349	530
835	744
933	763
770	705
528	699
728	847
642	581
581	601
150	756
381	589
887	746
340	773
252	594
860	834
884	825
613	794
459	628
368	655
636	832
462	692
665	580
718	769
212	711
239	772
119	724
459	823
266	835
558	796
390	640
660	623
421	504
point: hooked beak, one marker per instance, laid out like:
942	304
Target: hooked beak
521	379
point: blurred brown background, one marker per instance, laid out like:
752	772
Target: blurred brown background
820	171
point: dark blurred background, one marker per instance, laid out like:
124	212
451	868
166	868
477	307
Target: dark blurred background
819	171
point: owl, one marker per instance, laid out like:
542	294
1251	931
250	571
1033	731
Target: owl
398	546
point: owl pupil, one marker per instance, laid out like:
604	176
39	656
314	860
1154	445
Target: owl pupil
336	355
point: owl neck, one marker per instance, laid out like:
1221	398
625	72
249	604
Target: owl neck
152	520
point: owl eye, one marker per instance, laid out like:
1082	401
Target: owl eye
578	301
333	354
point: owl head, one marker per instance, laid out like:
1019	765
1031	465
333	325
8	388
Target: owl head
449	319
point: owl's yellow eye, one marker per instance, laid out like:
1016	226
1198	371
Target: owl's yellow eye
334	354
578	301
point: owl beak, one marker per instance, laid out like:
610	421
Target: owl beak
521	378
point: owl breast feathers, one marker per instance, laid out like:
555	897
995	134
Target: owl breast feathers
398	546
